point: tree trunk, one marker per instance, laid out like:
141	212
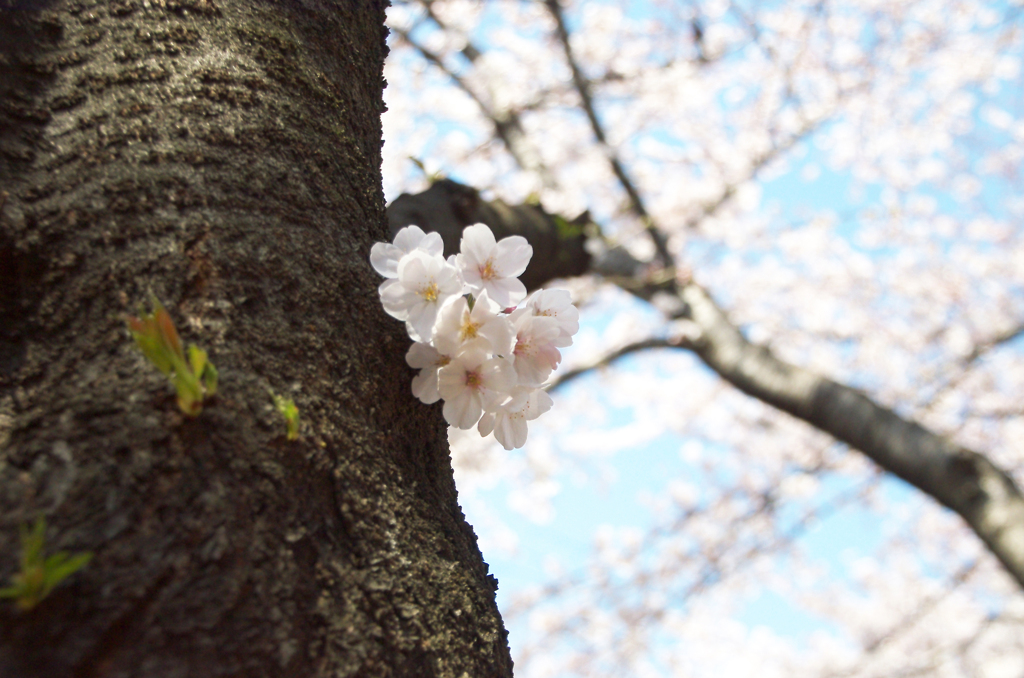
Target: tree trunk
225	156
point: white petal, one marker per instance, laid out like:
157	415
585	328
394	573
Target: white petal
486	424
422	355
539	403
505	291
421	320
408	238
503	433
519	431
477	244
510	431
424	386
451	380
555	300
413	269
447	277
432	244
473	354
447	326
384	259
499	378
463	411
500	333
512	255
396	299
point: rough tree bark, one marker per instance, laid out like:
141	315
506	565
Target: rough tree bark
224	155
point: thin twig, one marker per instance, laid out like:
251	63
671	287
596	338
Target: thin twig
583	88
971	359
506	123
615	355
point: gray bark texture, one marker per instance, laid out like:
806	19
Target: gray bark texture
963	480
225	156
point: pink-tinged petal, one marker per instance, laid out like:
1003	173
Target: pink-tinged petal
550	355
541	329
518	313
562	341
509	420
512	255
477	244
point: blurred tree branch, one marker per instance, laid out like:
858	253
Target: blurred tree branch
960	479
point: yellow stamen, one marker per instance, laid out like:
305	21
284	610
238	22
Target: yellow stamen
487	270
468	329
430	292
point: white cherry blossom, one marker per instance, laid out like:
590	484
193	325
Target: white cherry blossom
473	382
508	421
457	323
494	266
384	257
535	353
467	350
423	284
557	304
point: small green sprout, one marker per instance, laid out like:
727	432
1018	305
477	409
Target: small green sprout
432	177
39	575
195	379
288	410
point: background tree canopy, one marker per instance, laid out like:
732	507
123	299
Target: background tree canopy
794	231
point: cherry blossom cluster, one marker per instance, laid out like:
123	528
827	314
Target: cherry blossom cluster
480	344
